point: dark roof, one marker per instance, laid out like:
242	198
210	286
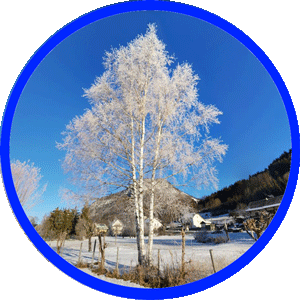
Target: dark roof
264	203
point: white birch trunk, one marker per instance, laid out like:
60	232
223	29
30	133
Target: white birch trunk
135	194
151	206
151	229
141	197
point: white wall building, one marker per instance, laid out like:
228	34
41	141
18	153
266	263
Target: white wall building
156	224
194	221
117	226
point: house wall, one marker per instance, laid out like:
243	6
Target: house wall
156	224
198	221
117	226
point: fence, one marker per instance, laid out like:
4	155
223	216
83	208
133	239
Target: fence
198	260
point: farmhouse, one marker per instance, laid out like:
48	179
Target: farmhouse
156	224
270	204
117	226
195	221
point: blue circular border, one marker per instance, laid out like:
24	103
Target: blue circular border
106	287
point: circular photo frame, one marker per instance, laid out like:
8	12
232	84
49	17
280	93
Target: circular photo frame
43	247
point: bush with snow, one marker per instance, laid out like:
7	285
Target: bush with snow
206	237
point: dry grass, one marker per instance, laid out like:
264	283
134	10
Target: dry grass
81	265
169	275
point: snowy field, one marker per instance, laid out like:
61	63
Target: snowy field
170	252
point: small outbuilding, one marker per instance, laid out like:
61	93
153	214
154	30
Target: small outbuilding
117	227
100	228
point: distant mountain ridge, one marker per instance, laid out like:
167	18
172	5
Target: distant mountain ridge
169	202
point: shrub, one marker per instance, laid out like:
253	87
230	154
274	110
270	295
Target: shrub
205	237
129	232
220	239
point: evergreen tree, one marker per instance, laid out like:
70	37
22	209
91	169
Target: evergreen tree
60	222
85	225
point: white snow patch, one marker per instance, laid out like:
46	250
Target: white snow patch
170	252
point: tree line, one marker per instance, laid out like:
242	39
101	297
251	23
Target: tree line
271	181
61	224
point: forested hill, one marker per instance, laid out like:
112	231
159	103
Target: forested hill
271	181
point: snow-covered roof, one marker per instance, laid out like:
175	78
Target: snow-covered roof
264	203
154	220
116	222
194	219
100	226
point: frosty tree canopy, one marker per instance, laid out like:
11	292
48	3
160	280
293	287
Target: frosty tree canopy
145	121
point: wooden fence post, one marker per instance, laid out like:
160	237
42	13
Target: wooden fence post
117	264
93	253
212	260
226	231
158	267
79	258
158	263
102	247
183	253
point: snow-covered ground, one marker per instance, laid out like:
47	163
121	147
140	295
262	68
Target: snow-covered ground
170	252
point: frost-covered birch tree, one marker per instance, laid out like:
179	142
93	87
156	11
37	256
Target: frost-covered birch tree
145	121
27	179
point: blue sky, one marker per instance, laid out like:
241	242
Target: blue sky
254	123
